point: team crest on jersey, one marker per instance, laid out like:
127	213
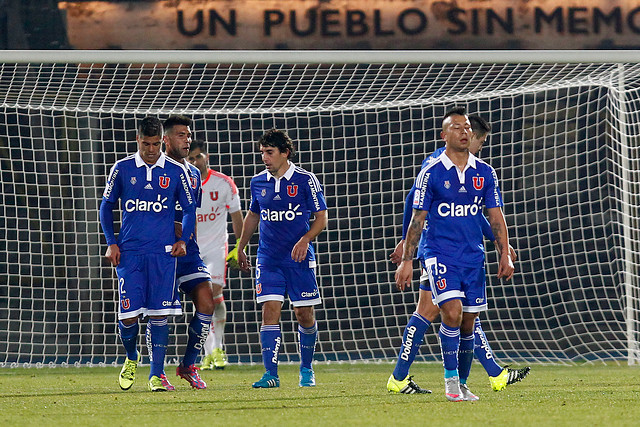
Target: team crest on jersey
447	185
194	182
214	195
292	190
478	182
125	304
263	192
164	181
133	180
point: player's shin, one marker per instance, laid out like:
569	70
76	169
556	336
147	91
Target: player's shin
307	338
271	340
449	344
157	342
483	352
219	321
198	332
465	356
129	338
411	341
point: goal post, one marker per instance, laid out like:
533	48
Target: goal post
564	143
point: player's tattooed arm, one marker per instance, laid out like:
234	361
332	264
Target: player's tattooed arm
413	234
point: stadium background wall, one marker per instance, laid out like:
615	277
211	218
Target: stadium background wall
555	152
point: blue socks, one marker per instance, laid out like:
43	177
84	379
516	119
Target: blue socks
129	338
271	340
449	343
198	332
411	340
307	338
483	351
465	356
157	342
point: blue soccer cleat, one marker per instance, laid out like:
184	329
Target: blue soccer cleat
267	381
307	377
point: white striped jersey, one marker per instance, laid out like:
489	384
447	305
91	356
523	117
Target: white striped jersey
219	198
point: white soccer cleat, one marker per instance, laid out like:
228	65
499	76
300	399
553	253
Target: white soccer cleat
452	389
466	393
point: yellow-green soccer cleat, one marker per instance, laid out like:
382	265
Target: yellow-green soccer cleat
219	358
207	362
406	386
507	377
156	384
128	373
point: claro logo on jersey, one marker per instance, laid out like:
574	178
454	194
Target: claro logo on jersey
278	216
455	210
138	205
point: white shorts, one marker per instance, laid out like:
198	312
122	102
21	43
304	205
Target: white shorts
216	262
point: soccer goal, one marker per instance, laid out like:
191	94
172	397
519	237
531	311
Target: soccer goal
564	143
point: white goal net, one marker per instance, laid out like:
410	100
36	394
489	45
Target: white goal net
564	143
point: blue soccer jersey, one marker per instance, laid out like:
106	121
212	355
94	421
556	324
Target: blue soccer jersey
454	202
148	195
195	183
408	211
285	206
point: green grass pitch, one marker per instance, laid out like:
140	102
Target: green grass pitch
346	395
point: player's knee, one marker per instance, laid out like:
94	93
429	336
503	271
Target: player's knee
429	312
202	297
451	315
305	316
468	323
271	312
130	321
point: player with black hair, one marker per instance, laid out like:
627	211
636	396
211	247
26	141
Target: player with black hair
284	197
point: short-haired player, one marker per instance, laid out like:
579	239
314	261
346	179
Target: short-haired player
220	199
451	191
499	377
148	185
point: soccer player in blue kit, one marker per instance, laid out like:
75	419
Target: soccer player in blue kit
452	190
148	185
426	311
283	199
192	276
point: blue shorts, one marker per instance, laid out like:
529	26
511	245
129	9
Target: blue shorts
190	273
147	285
274	282
449	282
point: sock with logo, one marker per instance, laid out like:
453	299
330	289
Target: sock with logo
465	356
411	340
449	344
157	342
483	351
307	338
129	338
271	340
197	333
